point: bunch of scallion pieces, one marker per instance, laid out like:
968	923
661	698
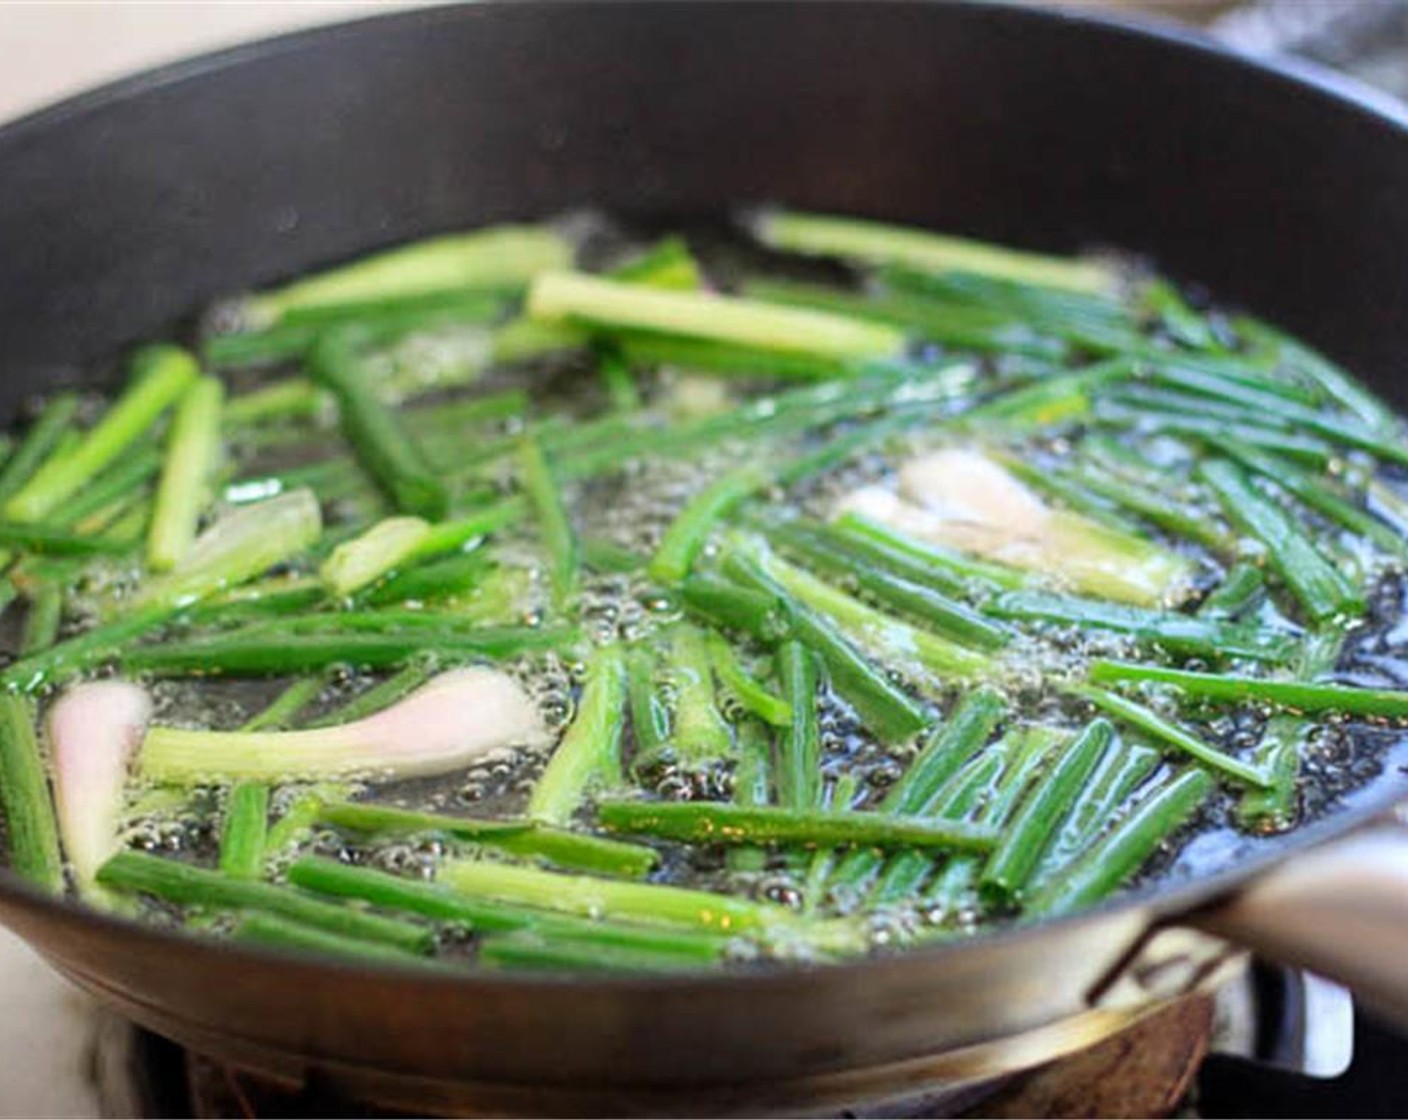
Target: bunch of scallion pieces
977	556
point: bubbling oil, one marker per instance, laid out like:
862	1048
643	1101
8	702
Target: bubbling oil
628	510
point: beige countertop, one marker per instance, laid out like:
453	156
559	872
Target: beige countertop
51	49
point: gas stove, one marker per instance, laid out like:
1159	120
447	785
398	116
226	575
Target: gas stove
1272	1043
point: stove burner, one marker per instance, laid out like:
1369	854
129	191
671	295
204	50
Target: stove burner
1143	1071
1282	1024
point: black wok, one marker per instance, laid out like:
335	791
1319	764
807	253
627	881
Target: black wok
127	208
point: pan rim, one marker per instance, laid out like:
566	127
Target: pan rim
1156	902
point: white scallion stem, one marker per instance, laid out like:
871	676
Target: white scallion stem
192	452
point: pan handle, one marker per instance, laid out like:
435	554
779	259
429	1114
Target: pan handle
1340	910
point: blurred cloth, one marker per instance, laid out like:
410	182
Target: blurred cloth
1365	38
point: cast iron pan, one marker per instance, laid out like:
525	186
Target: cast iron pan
1279	190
